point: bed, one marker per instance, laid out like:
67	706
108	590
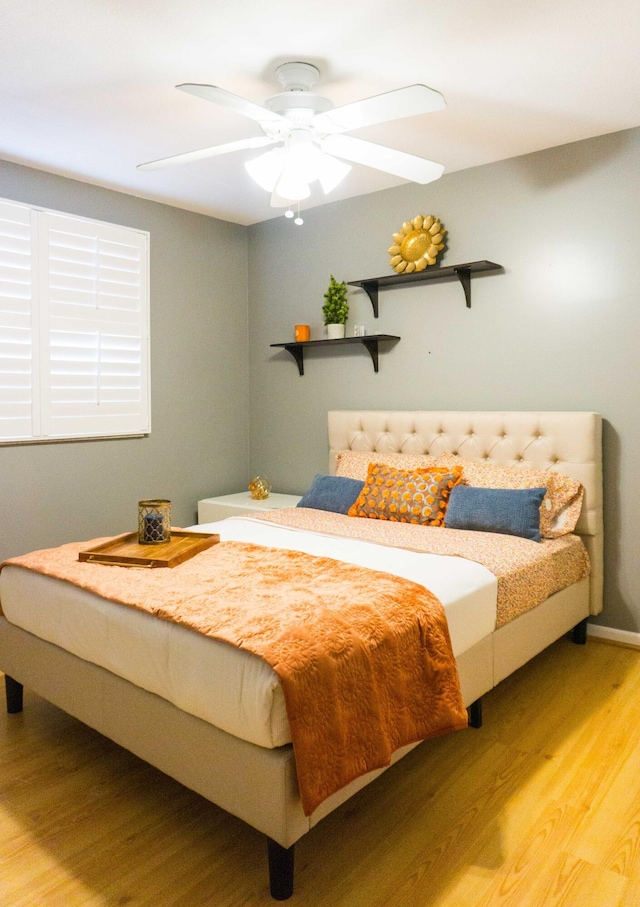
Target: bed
256	779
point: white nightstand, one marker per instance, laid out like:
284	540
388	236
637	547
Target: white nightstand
242	504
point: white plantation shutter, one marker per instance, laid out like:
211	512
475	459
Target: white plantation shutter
74	327
18	413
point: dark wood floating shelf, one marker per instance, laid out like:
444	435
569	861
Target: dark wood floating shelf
462	272
371	342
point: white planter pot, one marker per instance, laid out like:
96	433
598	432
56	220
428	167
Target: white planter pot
335	331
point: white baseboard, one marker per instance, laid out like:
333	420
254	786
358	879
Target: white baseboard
623	637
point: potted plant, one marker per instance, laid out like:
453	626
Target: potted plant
335	308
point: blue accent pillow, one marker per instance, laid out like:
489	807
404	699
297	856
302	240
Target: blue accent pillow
334	493
506	510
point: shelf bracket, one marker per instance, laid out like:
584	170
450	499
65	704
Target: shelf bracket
464	276
372	346
296	352
371	289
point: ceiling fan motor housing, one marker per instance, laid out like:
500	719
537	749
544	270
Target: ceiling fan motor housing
297	103
297	76
299	107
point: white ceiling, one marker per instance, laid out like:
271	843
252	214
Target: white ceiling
87	86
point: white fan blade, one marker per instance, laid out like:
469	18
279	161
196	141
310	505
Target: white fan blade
398	163
256	142
233	102
383	108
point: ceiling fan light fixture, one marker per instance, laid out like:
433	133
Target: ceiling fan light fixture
298	168
267	169
285	171
278	202
292	184
331	172
288	171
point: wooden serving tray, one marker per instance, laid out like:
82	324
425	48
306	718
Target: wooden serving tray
126	551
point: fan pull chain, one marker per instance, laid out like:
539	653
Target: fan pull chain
289	213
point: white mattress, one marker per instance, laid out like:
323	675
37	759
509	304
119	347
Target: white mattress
228	687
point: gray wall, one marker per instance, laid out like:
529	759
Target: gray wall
560	329
557	330
198	446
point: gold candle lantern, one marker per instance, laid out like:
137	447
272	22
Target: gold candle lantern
154	521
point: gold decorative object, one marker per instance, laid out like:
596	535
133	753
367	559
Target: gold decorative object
259	488
417	244
154	521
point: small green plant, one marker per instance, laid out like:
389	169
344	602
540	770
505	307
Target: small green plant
336	307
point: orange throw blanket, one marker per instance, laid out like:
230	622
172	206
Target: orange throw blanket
363	657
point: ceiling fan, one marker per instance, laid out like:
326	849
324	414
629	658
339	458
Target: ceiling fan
308	131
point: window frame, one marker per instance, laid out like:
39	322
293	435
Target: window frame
74	327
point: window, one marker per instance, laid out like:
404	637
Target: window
74	327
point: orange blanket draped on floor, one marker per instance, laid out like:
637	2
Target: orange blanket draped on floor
364	658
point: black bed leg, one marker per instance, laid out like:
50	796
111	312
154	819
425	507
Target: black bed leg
579	633
475	714
280	870
13	691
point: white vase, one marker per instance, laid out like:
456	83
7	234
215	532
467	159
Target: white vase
335	331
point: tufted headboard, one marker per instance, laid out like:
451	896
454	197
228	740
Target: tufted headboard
568	443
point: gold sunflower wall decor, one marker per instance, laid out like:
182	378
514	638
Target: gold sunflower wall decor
417	244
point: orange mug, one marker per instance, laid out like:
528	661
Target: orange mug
301	333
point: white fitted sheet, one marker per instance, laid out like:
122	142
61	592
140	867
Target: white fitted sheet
226	686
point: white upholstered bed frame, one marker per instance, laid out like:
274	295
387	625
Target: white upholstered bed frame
259	785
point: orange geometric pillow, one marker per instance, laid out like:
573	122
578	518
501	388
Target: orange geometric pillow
406	496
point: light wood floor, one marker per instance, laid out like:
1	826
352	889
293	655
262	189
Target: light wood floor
541	807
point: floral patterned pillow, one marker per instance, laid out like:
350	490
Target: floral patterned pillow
406	495
561	504
354	464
